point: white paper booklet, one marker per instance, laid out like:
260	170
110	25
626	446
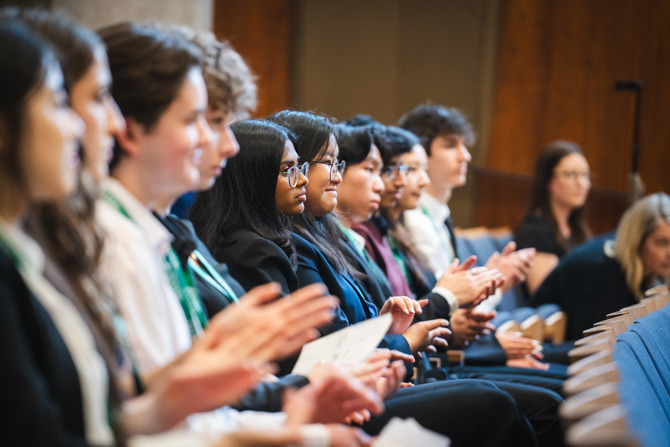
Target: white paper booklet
350	345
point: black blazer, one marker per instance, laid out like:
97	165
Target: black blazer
184	242
254	261
41	402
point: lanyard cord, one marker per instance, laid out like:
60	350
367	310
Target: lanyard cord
204	270
181	280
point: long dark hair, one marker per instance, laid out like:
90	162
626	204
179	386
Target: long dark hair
397	141
67	230
244	194
540	204
312	135
25	58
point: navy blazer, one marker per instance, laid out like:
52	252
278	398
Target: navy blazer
355	305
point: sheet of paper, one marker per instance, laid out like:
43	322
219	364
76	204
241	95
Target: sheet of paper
400	433
350	345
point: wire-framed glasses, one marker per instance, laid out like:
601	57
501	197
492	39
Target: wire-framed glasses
293	173
335	167
393	170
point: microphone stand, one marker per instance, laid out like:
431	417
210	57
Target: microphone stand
637	187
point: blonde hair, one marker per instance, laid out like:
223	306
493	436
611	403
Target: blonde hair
639	221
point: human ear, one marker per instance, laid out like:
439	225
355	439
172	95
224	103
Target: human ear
130	136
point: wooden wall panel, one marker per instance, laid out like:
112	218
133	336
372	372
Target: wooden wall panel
558	61
261	31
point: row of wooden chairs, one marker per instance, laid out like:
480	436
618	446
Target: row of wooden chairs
619	384
550	329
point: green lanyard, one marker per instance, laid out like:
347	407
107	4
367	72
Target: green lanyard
180	279
13	253
437	231
397	255
196	262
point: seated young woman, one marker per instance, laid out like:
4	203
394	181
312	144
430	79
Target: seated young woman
314	143
554	224
605	275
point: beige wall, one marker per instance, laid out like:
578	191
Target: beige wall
97	13
384	57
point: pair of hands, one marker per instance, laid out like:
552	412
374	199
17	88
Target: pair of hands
513	264
521	352
470	285
230	358
421	336
467	326
350	401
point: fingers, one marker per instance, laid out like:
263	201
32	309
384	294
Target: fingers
407	305
433	324
467	264
453	267
509	248
261	294
397	355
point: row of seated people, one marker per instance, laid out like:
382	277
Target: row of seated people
121	326
619	383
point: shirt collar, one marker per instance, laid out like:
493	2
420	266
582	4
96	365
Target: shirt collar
159	236
23	245
355	238
437	210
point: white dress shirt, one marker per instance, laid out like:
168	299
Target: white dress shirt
428	233
132	261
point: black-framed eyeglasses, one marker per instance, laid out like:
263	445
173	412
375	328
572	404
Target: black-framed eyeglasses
293	173
393	170
334	166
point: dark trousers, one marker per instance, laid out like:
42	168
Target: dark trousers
469	412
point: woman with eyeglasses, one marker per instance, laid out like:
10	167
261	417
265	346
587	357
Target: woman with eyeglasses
320	255
444	406
242	219
555	223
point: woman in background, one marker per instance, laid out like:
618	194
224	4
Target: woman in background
555	224
602	276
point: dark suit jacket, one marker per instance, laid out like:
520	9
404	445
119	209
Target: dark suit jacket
254	261
184	242
41	402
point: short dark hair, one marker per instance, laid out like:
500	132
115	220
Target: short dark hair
377	132
244	194
395	141
148	67
355	143
429	121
